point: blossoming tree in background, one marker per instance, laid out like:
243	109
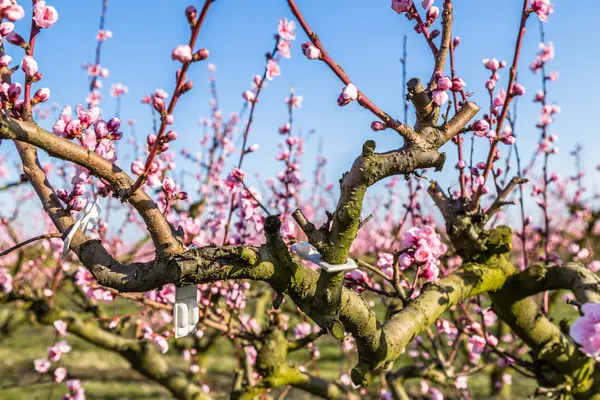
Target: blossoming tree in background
442	300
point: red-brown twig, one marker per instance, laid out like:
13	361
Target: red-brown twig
511	80
404	130
177	91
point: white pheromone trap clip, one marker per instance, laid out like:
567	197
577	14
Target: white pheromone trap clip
186	312
308	252
91	213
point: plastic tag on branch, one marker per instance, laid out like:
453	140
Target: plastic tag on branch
91	213
186	312
310	253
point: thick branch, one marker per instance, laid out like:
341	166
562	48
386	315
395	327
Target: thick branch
31	133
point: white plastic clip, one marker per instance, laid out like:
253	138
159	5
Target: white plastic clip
308	252
89	221
186	312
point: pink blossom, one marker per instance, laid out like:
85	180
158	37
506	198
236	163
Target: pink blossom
6	28
461	164
61	327
439	97
41	365
87	117
426	4
5	60
401	6
182	53
594	266
553	76
405	260
444	83
586	329
13	12
430	272
29	66
284	48
500	98
118	89
543	8
6	281
491	64
60	374
106	149
273	69
249	95
286	29
103	35
458	84
43	15
310	51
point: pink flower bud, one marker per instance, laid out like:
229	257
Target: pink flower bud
169	119
518	89
426	4
378	126
434	33
249	95
401	6
62	194
461	164
182	195
41	95
190	13
15	39
29	66
14	91
168	185
201	54
116	135
100	129
151	139
456	41
252	148
350	93
78	203
5	60
432	14
171	135
14	12
480	126
187	86
113	124
137	167
182	53
553	76
310	51
159	104
6	28
491	64
78	189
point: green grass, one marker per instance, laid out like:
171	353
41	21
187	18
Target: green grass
106	375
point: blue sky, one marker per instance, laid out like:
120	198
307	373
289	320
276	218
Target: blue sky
364	37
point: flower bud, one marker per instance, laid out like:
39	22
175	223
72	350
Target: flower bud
113	124
378	126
